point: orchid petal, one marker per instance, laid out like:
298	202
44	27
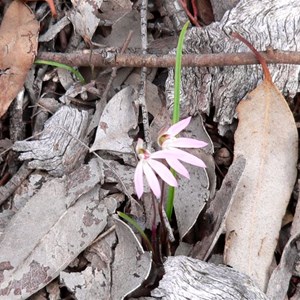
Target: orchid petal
184	156
183	143
162	154
178	167
165	154
138	179
164	173
179	126
152	179
189	158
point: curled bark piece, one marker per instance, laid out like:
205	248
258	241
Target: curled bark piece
189	278
56	150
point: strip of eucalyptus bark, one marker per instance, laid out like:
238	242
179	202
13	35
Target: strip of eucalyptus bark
101	59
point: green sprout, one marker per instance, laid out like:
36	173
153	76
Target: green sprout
138	228
176	110
62	66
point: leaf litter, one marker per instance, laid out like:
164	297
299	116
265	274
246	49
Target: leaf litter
18	43
64	225
268	139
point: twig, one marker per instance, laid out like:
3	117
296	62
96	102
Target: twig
9	188
143	82
83	58
17	126
263	63
193	18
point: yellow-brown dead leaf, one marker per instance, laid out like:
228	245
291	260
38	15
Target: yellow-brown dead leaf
18	47
267	137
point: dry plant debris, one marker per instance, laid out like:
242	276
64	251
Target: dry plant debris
268	139
61	185
18	43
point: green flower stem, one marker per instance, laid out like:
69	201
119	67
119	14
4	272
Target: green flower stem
62	66
138	228
176	110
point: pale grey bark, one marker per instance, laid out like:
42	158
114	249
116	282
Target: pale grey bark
191	279
265	24
220	7
57	149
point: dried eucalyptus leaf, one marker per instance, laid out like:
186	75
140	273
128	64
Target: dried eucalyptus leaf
296	219
45	236
220	7
191	196
280	278
88	284
95	281
18	47
268	139
113	10
118	118
84	17
125	174
197	130
215	216
131	265
120	29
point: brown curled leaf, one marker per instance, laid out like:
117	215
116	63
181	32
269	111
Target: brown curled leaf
18	48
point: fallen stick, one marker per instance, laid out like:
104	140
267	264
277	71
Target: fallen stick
110	58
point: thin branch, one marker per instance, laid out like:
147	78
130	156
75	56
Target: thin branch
193	18
143	81
84	58
261	60
9	188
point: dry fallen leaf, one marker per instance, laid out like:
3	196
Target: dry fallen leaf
45	235
280	278
120	29
18	47
267	137
85	17
94	282
191	196
131	265
119	117
213	222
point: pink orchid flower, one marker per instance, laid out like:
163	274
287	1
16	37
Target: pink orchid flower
170	144
149	166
